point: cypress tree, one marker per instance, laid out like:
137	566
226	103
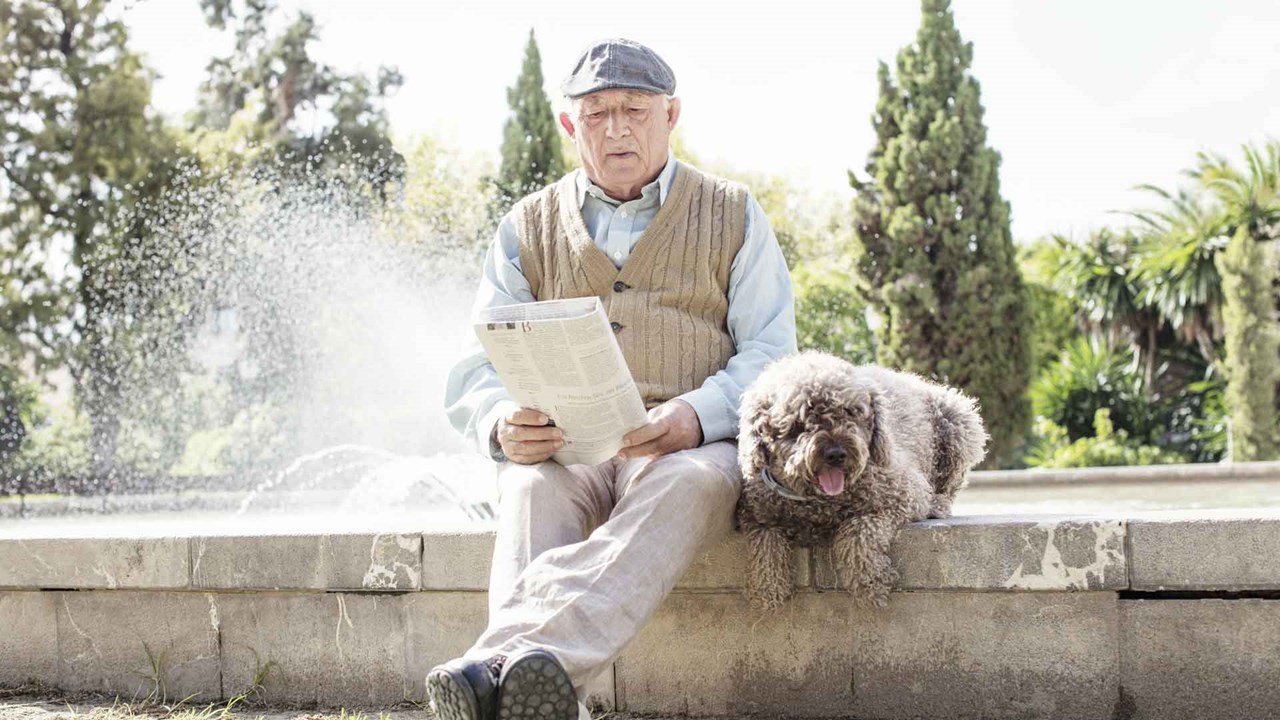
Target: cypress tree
531	154
1252	346
938	264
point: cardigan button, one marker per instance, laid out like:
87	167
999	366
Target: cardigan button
619	286
617	326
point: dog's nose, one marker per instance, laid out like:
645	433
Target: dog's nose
834	455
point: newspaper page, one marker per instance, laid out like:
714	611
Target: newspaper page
560	357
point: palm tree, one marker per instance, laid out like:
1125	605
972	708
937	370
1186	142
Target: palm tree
1175	266
1251	200
1099	276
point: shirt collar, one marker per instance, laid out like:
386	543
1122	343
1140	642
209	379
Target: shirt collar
667	174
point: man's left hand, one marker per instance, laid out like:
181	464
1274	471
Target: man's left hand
672	426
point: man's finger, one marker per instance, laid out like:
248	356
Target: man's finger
531	433
654	448
525	416
539	450
644	433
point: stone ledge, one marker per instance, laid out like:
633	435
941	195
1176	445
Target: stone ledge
95	563
391	561
1268	471
1003	554
1206	550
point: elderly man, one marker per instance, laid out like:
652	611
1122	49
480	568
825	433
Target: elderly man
697	289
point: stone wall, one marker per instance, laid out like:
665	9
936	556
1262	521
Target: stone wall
1154	616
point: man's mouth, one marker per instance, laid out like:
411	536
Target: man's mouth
831	480
620	154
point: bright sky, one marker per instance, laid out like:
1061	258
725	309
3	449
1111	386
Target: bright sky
1083	100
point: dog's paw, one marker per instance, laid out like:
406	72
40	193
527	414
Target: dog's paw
872	588
870	596
766	599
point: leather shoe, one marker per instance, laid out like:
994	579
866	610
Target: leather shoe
534	686
464	689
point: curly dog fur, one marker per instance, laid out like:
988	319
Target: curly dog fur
865	450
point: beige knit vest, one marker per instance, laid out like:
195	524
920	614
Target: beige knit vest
670	301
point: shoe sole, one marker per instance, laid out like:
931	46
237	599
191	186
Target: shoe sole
536	688
451	696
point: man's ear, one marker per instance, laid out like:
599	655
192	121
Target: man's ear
673	113
566	123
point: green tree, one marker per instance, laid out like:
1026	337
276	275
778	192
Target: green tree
938	262
80	152
303	111
531	151
1250	200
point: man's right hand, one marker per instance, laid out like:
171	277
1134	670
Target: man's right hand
526	437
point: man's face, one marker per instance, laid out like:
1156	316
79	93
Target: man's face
622	137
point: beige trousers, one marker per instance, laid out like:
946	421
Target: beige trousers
584	555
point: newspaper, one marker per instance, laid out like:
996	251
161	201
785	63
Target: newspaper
560	357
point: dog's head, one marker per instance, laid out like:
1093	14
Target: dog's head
812	425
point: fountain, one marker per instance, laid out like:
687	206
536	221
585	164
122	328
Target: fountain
293	364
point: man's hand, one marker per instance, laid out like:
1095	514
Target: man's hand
672	426
525	436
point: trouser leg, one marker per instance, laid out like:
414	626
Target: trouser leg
585	601
541	507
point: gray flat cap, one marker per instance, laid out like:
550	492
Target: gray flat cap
619	63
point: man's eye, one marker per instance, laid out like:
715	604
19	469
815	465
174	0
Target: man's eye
595	115
638	109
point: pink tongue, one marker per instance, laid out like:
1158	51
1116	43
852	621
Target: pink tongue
831	480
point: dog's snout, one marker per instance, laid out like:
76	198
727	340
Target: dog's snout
834	455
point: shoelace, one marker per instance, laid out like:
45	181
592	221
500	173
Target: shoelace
495	664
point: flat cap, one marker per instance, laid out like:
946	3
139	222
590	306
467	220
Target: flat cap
619	63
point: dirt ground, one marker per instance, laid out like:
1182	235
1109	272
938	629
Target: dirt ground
37	703
32	703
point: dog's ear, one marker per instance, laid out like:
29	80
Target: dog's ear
754	432
880	445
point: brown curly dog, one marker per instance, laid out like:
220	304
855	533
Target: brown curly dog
835	453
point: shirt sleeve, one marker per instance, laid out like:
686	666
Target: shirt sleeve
474	397
762	323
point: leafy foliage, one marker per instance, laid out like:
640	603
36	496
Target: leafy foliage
829	315
1106	446
80	154
298	108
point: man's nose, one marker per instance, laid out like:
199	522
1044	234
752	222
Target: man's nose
616	126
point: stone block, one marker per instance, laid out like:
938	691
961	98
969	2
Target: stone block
987	655
111	563
955	655
457	560
1184	552
137	644
29	639
1206	658
709	654
317	649
387	561
439	626
724	567
1003	554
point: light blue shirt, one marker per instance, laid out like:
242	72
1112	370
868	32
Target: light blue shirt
761	318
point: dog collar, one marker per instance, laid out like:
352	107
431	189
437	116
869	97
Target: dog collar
777	487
